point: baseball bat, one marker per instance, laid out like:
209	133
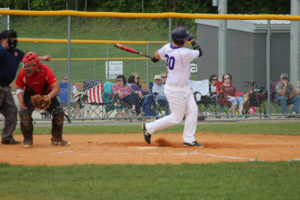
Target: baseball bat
125	48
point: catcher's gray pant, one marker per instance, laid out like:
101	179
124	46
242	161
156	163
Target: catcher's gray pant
9	110
182	103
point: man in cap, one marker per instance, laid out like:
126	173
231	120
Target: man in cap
158	91
177	91
10	58
286	94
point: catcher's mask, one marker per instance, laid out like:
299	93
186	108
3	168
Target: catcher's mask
179	35
31	63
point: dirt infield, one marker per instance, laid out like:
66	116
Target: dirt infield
165	148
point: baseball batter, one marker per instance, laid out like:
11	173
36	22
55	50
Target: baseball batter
179	94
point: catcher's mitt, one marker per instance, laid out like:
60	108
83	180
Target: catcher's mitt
40	102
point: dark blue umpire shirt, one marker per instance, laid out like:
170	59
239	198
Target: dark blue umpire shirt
9	63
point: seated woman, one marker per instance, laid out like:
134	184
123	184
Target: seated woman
212	98
126	94
135	85
227	89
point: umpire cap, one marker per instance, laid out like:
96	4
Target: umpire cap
8	34
181	34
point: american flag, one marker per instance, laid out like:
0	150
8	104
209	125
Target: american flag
95	94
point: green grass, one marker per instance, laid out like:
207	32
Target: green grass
286	128
249	180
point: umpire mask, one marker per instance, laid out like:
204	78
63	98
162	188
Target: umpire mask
12	39
12	43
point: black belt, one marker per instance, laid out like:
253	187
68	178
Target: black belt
4	85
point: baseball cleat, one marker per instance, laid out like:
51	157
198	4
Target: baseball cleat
27	143
60	142
10	141
147	135
193	144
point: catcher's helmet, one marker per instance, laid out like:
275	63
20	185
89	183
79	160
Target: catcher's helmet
179	35
31	58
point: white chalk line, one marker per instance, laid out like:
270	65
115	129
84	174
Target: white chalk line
171	154
295	159
62	152
275	143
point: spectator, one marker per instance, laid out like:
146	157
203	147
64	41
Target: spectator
133	83
64	91
287	94
163	77
36	78
158	92
230	94
126	94
137	79
213	85
63	94
10	58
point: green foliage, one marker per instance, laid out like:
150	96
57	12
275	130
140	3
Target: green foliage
248	180
40	5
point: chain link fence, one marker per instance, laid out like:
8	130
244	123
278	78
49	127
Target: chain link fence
93	58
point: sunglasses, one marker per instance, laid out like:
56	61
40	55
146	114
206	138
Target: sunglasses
157	79
164	77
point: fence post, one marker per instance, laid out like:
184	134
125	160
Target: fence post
268	36
69	66
222	33
170	30
147	63
35	48
94	69
107	61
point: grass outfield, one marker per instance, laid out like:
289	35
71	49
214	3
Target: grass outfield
246	180
253	180
285	128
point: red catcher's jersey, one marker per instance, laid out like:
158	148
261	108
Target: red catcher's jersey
37	81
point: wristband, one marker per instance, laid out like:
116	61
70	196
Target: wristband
19	91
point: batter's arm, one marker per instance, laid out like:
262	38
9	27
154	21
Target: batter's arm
196	46
156	57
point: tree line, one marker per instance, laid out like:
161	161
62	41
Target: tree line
152	6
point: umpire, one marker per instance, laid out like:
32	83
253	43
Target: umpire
10	58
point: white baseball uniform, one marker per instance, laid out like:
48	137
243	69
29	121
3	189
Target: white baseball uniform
177	91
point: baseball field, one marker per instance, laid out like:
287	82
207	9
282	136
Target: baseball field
238	161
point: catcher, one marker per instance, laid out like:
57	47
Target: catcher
37	88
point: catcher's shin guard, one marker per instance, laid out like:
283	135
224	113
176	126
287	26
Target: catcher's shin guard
57	128
26	126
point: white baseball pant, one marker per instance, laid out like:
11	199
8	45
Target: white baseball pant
182	103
